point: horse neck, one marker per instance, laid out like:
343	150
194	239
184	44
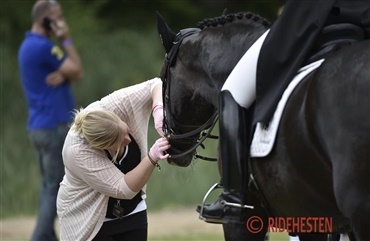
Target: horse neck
219	50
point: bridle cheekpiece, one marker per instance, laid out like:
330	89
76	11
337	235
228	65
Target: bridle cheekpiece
202	132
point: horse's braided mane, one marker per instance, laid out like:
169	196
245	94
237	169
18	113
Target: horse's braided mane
221	20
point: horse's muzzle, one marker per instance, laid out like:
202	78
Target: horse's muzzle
179	160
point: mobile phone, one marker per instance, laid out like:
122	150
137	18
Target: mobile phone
46	23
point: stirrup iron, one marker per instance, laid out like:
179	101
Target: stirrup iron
201	217
215	186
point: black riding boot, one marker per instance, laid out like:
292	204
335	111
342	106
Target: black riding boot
233	132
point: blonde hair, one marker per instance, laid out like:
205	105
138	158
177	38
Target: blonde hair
99	127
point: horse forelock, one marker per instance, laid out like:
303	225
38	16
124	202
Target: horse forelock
229	18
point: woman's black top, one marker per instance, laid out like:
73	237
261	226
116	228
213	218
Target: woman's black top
129	160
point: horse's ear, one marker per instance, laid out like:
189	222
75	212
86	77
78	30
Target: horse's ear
165	33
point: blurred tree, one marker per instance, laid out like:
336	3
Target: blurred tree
15	16
180	13
139	15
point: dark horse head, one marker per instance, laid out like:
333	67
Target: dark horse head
190	93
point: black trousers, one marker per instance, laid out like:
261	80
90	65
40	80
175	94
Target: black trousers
291	39
130	228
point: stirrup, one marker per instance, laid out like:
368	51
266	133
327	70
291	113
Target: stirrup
201	217
209	220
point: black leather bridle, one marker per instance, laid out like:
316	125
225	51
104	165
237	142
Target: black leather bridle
202	132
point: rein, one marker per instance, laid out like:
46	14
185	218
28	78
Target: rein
202	132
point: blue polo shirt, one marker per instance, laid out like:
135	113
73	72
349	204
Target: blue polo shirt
48	106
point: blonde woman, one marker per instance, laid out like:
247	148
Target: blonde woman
107	166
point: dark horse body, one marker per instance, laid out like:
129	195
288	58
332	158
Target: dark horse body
320	164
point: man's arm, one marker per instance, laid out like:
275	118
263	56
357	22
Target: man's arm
71	68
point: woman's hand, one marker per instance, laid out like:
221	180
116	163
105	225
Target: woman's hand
157	151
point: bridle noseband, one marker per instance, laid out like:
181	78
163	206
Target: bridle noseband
202	132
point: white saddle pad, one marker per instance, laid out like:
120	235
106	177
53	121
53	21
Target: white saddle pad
264	138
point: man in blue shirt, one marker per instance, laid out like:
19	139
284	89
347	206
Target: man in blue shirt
46	72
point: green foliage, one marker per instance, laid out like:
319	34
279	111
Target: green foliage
19	174
117	60
119	46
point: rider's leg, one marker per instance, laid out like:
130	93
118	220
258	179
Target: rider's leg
242	80
234	153
237	94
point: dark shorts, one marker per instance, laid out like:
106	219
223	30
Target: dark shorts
130	228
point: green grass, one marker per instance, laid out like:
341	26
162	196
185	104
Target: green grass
278	237
208	237
197	237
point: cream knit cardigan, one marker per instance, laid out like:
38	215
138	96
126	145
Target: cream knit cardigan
90	177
